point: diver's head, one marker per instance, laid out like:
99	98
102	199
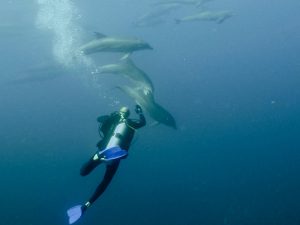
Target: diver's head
124	112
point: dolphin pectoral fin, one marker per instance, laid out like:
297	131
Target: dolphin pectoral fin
99	35
126	56
127	60
221	19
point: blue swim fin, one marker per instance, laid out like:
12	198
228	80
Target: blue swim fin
113	153
74	213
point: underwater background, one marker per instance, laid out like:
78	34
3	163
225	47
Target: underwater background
233	89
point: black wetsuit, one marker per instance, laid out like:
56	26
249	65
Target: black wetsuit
107	127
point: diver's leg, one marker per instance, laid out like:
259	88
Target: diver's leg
109	173
93	162
90	165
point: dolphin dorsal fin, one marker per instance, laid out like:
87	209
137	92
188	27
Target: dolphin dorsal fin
127	60
126	56
99	35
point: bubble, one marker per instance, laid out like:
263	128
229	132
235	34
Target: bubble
61	17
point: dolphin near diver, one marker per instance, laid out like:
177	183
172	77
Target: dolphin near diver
146	101
129	70
104	43
218	16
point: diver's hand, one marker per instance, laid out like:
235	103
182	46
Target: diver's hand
138	109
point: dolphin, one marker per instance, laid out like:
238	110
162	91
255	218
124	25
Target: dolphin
182	2
103	43
219	16
33	78
146	101
156	16
129	70
39	73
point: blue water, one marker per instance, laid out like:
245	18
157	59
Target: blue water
233	89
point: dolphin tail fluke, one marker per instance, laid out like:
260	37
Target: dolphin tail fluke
177	21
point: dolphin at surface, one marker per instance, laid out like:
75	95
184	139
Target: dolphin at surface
147	102
218	16
129	70
103	43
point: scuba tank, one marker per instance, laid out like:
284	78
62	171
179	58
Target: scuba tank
117	135
113	148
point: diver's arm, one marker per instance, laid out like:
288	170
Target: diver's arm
109	174
138	123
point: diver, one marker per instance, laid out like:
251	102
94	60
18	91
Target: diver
117	132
